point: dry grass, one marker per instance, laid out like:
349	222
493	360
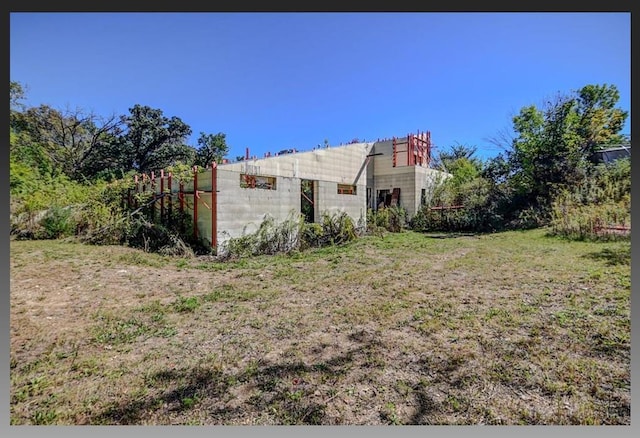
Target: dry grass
511	328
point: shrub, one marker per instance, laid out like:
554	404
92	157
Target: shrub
594	209
290	235
56	223
392	219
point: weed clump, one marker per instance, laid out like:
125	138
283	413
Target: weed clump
292	234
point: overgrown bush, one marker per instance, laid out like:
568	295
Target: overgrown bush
392	219
337	228
56	223
290	235
48	206
156	237
471	206
312	235
597	209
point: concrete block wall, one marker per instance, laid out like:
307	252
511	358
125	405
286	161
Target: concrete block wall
381	175
242	210
330	201
405	181
341	164
384	163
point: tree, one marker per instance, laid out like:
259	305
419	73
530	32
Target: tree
16	95
211	147
553	145
151	141
71	139
600	122
460	162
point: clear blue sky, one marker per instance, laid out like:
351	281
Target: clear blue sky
273	81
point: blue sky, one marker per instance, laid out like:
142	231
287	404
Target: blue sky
273	81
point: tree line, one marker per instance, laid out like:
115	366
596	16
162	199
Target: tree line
547	174
547	171
86	146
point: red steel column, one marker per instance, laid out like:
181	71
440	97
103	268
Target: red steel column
153	190
195	202
394	152
214	205
161	195
170	195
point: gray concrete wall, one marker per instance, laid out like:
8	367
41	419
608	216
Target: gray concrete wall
384	162
328	200
242	210
341	164
404	179
409	179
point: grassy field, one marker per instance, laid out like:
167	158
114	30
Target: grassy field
509	328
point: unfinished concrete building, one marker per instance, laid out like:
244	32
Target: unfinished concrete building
231	199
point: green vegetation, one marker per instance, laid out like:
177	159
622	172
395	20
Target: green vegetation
547	176
71	171
292	234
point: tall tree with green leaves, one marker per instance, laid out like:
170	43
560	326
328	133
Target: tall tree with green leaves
151	141
211	147
553	145
461	162
600	121
71	139
17	94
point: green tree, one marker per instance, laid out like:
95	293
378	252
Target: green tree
553	145
151	141
461	163
211	147
71	139
24	152
600	121
16	95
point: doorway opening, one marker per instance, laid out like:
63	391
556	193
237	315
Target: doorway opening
307	200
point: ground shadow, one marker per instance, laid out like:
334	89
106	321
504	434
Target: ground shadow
283	393
449	235
612	257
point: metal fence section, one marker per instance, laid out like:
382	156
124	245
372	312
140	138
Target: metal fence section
173	197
